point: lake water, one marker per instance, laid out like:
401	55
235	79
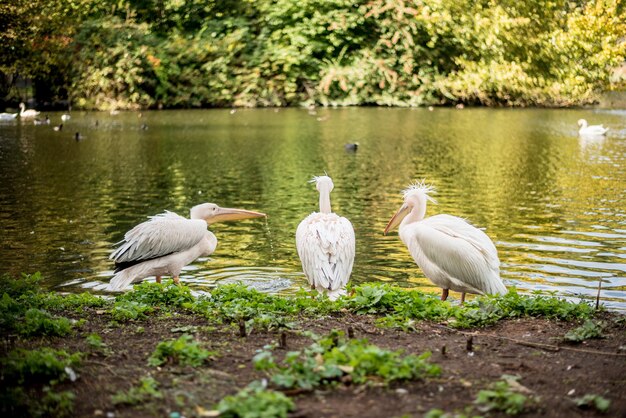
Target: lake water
554	203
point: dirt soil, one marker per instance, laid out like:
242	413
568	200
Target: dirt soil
554	372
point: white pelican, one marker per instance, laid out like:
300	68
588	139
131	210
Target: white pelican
452	253
326	245
168	242
591	129
30	113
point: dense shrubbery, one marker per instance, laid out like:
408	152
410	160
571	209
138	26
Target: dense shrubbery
171	53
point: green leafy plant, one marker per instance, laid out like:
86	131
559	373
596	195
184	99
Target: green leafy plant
77	302
130	310
335	358
502	396
38	322
236	303
438	413
96	343
184	350
162	295
255	401
18	402
44	364
25	306
487	310
590	329
54	404
597	402
147	389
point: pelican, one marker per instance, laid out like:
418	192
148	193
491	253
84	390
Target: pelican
326	245
452	253
591	129
167	242
30	113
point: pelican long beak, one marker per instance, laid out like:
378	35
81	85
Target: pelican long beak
230	214
397	218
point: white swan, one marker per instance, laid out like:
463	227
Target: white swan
30	113
8	116
590	129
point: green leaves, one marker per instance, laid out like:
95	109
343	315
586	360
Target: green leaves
593	401
184	351
339	52
44	364
38	322
165	294
335	358
147	388
503	396
590	329
255	402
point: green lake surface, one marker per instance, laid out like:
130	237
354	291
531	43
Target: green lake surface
554	203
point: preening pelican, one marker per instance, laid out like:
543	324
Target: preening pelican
30	113
591	129
452	253
168	242
326	245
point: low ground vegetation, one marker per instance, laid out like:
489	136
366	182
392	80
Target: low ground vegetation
382	351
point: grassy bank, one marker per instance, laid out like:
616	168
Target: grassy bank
157	350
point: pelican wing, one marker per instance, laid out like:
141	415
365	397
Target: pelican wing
326	247
458	249
163	234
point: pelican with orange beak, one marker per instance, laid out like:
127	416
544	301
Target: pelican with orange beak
167	242
453	254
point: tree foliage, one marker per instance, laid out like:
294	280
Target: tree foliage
174	53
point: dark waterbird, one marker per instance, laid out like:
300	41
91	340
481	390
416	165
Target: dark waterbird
352	147
45	121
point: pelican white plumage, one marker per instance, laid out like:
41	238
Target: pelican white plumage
452	253
591	129
30	113
326	245
167	242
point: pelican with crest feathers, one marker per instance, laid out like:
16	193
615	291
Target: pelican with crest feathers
167	242
453	254
326	245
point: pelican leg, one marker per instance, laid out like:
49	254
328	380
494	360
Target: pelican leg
444	294
462	298
158	279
